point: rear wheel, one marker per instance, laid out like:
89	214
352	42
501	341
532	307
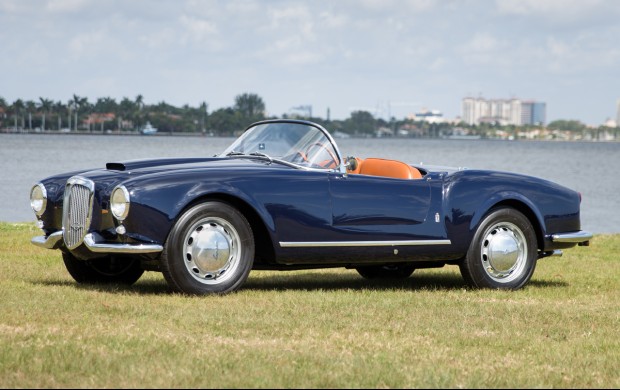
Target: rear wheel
105	270
395	271
209	250
503	252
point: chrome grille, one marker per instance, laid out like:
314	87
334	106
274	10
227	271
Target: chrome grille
77	210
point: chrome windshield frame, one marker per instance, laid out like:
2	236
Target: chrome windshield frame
341	164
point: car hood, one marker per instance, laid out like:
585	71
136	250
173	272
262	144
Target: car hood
170	163
142	167
117	172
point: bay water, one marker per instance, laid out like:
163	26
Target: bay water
592	168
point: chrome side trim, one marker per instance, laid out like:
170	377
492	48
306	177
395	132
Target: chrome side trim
49	242
320	244
94	246
572	237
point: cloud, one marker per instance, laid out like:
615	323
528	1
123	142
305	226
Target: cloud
546	7
332	20
482	43
198	29
87	44
65	5
560	12
378	5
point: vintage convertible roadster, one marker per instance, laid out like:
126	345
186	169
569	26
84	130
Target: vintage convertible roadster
282	197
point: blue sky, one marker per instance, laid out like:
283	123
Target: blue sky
385	56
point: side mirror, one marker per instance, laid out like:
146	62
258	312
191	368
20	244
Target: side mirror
351	163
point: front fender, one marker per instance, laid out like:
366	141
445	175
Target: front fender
156	204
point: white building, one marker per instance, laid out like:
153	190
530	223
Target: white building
430	116
503	111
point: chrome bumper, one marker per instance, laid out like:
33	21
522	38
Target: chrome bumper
50	242
54	240
580	237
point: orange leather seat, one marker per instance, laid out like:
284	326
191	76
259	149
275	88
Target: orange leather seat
388	168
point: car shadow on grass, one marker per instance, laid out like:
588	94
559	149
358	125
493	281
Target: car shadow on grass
150	287
308	281
314	281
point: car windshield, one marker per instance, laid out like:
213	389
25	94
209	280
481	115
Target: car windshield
295	143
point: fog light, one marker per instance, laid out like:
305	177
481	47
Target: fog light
120	229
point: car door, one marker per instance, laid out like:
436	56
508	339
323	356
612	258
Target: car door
373	208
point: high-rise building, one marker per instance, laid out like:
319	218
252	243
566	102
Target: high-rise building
539	113
504	111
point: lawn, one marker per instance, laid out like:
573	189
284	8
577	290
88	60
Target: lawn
320	329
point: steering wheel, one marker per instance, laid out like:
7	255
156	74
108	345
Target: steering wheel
333	163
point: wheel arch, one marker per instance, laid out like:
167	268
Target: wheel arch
525	209
264	250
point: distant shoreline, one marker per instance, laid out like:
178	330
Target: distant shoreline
134	133
123	133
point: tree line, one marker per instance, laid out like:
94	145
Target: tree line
106	114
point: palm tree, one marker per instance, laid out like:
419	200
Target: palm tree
126	109
45	106
70	108
30	107
3	107
138	116
78	103
18	109
76	106
59	108
140	102
204	111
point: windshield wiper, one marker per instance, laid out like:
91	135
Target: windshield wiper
234	153
259	154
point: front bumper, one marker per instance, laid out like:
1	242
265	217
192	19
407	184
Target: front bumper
54	241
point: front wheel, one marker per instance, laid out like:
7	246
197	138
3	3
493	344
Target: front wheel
105	270
503	252
210	249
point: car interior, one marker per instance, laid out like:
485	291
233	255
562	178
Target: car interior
382	167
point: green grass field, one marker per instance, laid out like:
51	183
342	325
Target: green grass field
325	328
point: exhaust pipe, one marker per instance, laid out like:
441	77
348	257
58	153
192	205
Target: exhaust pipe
555	253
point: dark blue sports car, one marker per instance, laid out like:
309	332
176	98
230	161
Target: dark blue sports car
282	197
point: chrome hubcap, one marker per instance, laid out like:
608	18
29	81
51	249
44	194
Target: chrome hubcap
504	252
212	250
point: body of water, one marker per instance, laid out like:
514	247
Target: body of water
591	168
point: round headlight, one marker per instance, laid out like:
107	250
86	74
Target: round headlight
119	203
38	199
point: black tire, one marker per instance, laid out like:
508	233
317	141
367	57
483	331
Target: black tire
209	250
105	270
394	271
503	253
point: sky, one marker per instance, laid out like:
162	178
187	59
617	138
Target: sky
388	57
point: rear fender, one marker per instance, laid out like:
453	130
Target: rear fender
514	200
